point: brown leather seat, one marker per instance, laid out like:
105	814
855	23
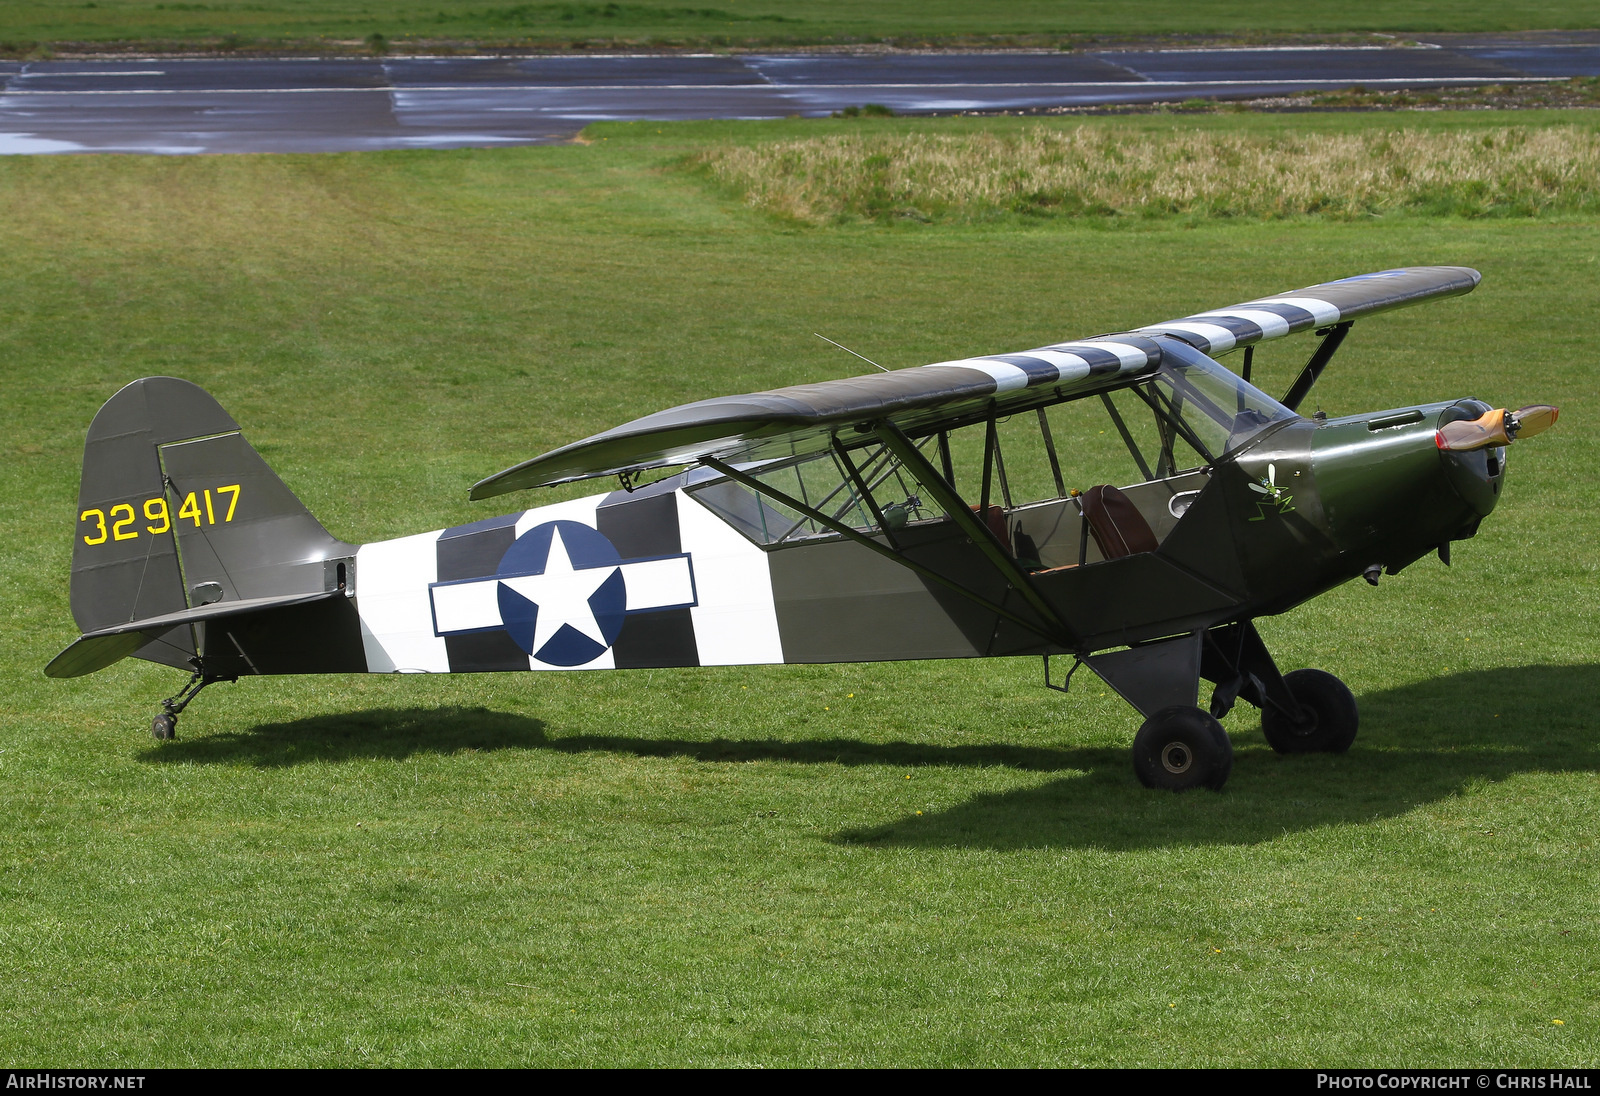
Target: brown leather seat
1118	527
995	518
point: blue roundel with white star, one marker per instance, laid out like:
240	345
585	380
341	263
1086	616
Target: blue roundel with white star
561	592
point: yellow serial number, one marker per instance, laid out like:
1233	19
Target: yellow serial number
122	523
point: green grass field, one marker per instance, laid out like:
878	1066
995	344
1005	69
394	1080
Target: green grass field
233	24
927	864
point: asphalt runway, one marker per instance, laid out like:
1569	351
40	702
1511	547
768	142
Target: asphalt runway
180	106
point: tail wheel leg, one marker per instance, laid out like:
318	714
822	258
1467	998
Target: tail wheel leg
164	727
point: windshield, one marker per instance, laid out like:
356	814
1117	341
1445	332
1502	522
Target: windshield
1218	408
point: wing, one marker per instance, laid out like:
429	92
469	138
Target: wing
804	418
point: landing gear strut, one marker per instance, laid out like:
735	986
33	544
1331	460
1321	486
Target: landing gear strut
1306	711
165	726
1182	746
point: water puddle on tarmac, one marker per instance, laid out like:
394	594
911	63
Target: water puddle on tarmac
24	144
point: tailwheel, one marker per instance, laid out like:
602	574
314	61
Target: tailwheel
164	727
1180	748
1328	716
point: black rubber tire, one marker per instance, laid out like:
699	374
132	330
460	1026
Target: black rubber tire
1180	748
164	727
1333	716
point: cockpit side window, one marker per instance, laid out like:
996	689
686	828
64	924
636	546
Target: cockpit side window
1149	437
866	489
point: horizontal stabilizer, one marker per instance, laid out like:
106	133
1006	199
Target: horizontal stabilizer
99	649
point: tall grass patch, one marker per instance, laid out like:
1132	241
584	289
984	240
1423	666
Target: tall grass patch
1092	171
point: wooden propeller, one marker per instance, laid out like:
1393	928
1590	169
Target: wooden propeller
1497	427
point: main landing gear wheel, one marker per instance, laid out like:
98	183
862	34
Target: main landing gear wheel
1329	716
1180	748
164	727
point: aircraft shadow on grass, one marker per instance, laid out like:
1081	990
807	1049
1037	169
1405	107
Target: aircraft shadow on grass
1419	744
381	733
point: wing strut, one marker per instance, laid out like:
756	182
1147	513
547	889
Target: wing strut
1127	438
989	446
865	493
867	542
960	513
1320	358
1050	451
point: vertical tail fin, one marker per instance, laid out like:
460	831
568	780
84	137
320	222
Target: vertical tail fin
176	512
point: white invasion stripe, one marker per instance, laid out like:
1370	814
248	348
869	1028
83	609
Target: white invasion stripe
396	613
1321	311
1128	356
1131	357
1071	366
1220	338
1272	325
735	622
1007	378
467	606
658	583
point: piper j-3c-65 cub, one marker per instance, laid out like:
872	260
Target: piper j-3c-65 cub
957	510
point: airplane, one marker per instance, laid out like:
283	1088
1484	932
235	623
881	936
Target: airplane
863	519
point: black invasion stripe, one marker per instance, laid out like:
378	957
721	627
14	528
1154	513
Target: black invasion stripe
1150	347
1299	319
1038	370
1243	330
1199	342
474	551
640	527
1101	362
484	652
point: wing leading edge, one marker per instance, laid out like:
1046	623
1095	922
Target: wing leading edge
803	418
